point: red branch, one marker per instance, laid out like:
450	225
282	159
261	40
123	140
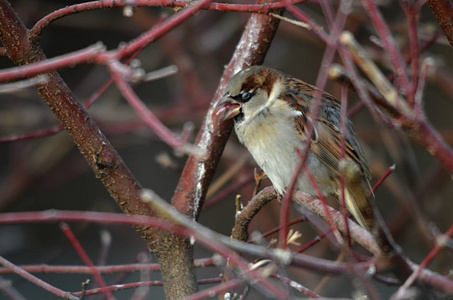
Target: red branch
315	106
389	44
441	243
216	290
21	272
134	285
215	242
86	259
147	116
263	8
87	55
311	263
112	269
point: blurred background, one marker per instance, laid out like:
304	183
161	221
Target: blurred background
49	173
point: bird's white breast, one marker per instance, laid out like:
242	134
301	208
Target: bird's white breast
271	137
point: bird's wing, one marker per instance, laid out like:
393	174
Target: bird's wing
326	137
326	142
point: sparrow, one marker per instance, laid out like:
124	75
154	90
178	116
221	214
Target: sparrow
271	113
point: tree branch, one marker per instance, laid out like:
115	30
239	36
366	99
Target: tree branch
107	165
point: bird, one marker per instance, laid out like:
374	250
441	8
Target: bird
272	117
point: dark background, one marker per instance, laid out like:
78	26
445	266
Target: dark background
50	173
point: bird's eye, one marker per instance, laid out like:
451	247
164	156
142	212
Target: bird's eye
245	96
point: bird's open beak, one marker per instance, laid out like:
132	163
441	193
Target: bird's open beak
228	108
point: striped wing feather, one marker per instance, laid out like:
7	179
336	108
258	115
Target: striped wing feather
326	140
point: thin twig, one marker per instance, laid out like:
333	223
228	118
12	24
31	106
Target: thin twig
21	272
86	259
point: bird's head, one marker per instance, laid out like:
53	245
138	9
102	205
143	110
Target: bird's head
249	91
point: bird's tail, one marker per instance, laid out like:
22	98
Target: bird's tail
358	195
358	203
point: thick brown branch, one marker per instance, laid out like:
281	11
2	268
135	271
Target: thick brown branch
99	153
243	219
